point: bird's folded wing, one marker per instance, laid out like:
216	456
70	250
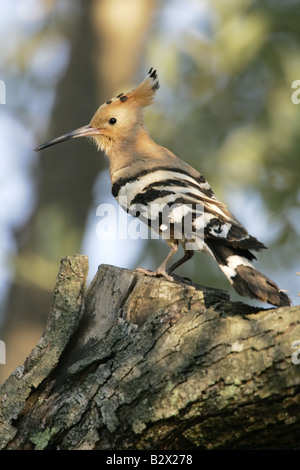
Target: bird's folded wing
171	199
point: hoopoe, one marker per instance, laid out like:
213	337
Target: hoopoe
147	178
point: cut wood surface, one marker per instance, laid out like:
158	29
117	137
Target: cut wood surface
136	362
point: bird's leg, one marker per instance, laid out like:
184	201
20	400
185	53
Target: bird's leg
188	254
161	270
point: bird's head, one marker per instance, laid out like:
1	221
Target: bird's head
118	119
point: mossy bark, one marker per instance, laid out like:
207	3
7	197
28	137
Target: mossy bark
142	363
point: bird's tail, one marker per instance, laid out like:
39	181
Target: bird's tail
245	279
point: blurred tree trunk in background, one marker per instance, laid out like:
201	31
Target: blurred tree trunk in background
105	52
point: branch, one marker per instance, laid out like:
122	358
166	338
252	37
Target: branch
142	363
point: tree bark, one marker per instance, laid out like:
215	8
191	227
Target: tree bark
137	362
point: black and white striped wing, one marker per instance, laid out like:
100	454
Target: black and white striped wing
178	205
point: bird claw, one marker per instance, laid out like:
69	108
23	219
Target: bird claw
162	272
159	272
181	279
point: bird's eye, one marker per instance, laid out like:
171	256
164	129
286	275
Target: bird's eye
112	121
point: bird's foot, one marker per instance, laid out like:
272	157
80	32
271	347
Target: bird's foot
159	272
180	278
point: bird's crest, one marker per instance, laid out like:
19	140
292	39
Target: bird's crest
143	94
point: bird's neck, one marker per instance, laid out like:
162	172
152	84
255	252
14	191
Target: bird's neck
126	155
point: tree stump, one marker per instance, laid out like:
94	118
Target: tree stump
137	362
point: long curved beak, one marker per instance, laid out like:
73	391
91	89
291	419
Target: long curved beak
84	131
